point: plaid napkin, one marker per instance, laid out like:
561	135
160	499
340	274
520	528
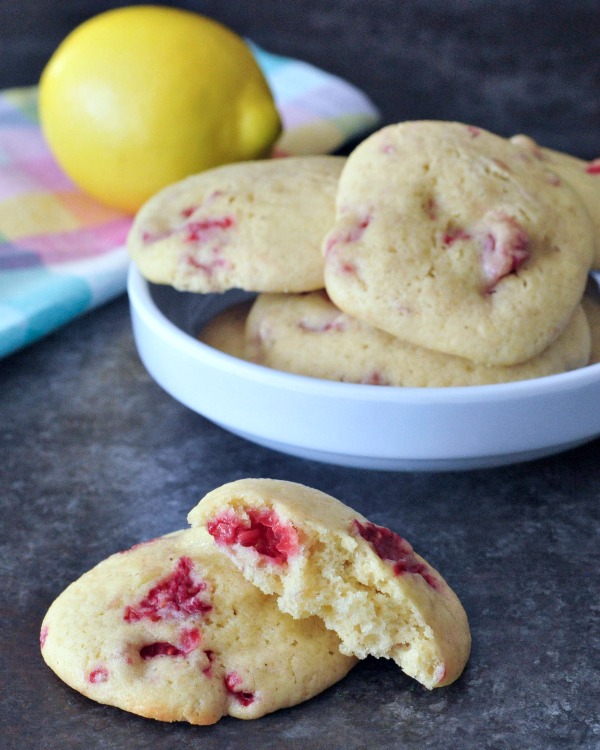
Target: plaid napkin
62	253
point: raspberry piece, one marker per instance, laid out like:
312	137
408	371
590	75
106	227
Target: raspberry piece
43	636
452	235
197	231
188	641
593	167
375	378
390	546
98	675
262	529
348	268
176	596
505	248
150	237
232	683
161	648
353	234
211	266
336	322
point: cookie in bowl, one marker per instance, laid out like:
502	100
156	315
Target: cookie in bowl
447	238
308	335
254	225
582	175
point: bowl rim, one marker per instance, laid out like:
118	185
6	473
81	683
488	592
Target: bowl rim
141	299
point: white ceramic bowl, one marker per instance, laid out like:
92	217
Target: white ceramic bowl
367	426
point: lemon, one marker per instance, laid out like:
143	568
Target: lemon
139	97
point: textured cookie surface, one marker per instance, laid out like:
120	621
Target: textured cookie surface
446	237
320	557
170	630
255	225
583	176
308	335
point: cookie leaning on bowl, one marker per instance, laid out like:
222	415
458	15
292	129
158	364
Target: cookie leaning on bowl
253	225
170	630
319	557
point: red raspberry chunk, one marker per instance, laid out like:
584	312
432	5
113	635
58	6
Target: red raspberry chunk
328	323
452	235
98	675
232	683
505	248
188	641
211	265
390	546
198	231
346	236
161	648
262	529
593	167
375	378
177	596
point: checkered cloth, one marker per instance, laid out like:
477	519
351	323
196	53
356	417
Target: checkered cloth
62	253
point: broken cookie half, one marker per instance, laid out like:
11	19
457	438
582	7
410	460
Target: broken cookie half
266	601
318	557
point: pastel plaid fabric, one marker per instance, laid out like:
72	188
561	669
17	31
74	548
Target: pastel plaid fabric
62	253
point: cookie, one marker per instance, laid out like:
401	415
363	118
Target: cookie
591	306
227	330
170	630
254	225
583	176
308	335
447	238
319	557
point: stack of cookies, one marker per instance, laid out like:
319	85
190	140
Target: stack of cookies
435	254
270	597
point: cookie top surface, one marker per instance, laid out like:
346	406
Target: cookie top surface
308	335
255	225
320	557
445	236
170	630
583	176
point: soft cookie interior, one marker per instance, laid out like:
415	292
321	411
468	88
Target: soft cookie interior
320	557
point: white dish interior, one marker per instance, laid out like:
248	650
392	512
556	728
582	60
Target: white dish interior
365	426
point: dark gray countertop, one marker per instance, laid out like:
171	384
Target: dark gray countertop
95	457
